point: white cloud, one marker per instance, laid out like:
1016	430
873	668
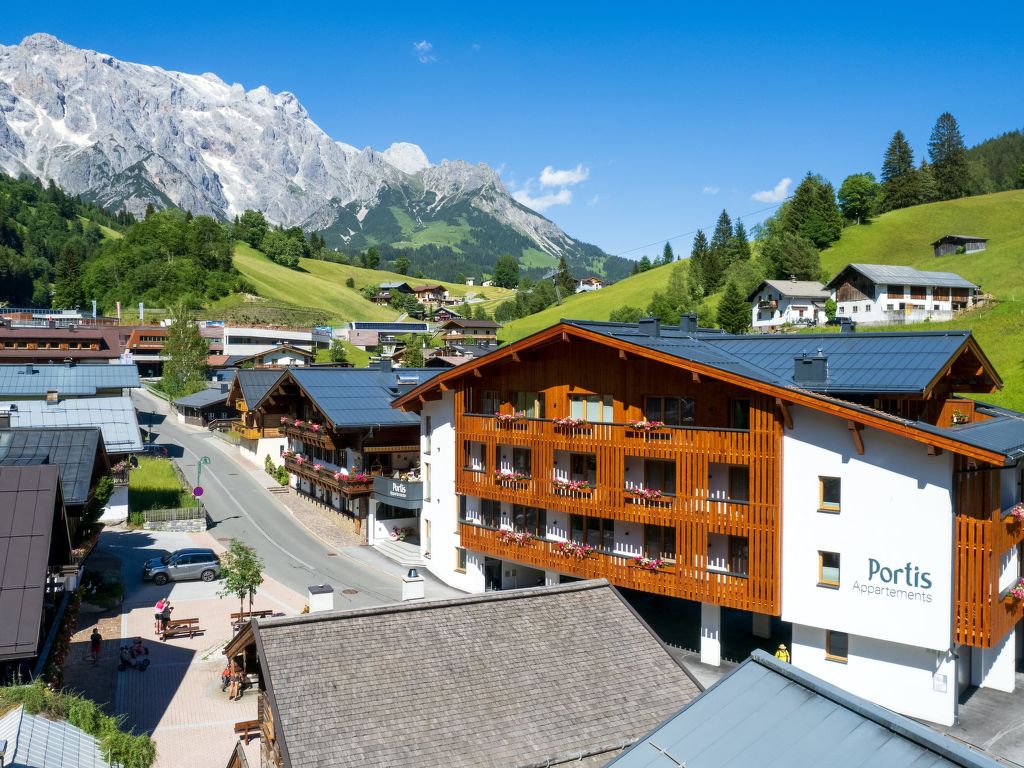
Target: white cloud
542	202
710	190
549	177
594	200
776	195
424	52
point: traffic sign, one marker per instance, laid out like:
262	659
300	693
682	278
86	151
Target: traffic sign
197	491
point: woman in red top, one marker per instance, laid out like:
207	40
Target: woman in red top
159	609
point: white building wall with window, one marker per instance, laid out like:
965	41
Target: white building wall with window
892	529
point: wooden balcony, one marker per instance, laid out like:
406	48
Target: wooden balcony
673	579
325	476
320	437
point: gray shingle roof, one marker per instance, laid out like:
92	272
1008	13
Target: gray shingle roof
803	289
256	382
34	741
885	274
74	451
502	679
28	498
115	416
773	715
359	396
209	396
76	380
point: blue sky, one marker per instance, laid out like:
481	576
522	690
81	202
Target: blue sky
650	118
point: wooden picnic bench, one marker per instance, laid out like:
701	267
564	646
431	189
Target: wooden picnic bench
238	619
176	627
248	730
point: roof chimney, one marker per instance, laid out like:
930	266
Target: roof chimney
792	278
29	369
688	323
650	325
810	370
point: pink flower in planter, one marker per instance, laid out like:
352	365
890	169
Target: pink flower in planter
317	467
1017	512
298	423
1017	590
284	419
337	475
648	563
315	427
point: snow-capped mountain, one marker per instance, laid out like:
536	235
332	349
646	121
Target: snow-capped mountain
126	135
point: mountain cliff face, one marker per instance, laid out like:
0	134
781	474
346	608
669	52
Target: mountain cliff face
126	135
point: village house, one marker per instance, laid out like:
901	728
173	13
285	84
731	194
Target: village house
464	331
835	487
879	293
56	344
588	284
776	303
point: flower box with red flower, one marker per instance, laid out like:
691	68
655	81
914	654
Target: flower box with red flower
508	419
641	492
572	424
298	423
359	478
318	467
314	427
571	487
645	425
519	538
648	563
508	477
573	550
284	419
1017	591
1017	512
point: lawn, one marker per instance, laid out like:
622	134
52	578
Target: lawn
155	485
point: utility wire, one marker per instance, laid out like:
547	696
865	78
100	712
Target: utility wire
694	231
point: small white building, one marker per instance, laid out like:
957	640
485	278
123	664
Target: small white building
775	303
253	340
588	284
880	293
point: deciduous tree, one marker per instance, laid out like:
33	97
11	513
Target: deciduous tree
187	351
506	272
241	570
858	197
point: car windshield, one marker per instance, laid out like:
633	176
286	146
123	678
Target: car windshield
165	559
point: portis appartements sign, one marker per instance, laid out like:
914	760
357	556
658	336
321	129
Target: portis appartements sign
906	582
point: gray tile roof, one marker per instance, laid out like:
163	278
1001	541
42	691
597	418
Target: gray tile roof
34	741
803	289
526	677
885	274
29	497
76	380
74	451
208	396
857	362
360	396
115	416
773	715
254	383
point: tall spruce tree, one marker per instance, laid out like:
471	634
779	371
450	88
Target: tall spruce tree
787	254
705	273
721	239
733	310
813	212
667	255
67	288
739	245
899	177
564	281
949	158
927	188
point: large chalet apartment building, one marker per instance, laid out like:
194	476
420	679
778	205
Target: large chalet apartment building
836	481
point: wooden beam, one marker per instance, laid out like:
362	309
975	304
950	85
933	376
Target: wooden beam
858	438
515	357
787	415
696	377
477	374
623	355
565	336
934	450
444	387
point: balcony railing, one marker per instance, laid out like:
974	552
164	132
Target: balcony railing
312	433
326	475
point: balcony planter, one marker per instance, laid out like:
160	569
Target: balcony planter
520	539
508	419
509	478
647	563
1017	512
569	424
648	494
574	551
1016	592
569	487
959	417
645	425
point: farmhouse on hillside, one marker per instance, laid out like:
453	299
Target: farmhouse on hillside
794	302
879	293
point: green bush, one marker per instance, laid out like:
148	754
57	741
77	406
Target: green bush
136	519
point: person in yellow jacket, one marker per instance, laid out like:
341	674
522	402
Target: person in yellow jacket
782	654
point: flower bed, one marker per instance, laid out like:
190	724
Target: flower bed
573	550
505	536
648	563
579	486
645	425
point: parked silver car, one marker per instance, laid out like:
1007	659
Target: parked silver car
183	565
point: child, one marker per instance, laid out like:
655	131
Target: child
159	609
95	645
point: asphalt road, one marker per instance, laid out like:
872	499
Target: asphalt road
239	507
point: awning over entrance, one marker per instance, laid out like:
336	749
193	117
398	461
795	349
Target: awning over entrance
398	493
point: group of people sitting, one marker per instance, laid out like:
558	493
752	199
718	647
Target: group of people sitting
234	680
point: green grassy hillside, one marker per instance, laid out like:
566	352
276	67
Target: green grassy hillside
321	285
903	237
597	305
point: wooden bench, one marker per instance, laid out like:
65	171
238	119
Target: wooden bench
238	619
176	627
248	730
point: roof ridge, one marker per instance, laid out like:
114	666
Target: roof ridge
424	605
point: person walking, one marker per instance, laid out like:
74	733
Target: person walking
158	610
95	645
782	654
165	616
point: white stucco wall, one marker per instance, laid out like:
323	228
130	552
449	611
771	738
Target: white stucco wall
904	678
116	510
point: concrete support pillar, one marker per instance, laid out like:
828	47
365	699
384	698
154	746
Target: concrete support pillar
762	625
711	634
995	667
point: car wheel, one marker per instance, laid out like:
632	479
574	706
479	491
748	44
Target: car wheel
160	579
208	575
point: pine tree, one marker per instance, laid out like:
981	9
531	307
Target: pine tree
667	255
720	239
564	281
949	158
787	254
67	288
739	246
705	270
899	178
733	310
813	213
644	265
150	210
927	189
